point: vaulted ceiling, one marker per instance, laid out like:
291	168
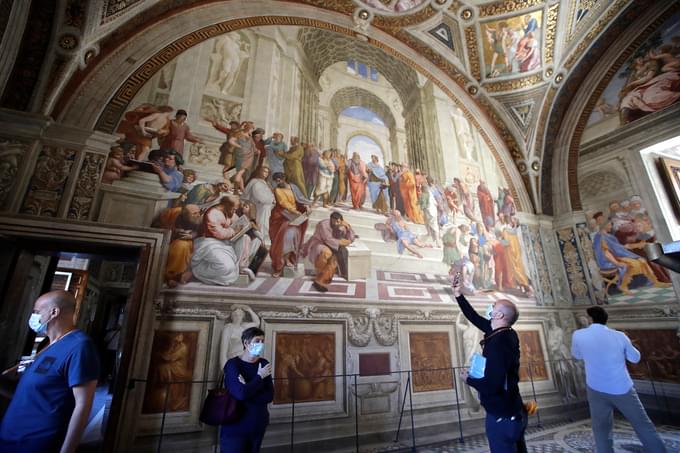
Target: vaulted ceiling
469	45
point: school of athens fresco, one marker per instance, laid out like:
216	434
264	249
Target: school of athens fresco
250	204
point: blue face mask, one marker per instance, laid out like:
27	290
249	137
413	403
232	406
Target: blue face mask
256	349
35	324
489	311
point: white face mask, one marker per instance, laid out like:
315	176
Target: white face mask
489	311
35	324
256	349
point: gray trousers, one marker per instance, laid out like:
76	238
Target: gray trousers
601	413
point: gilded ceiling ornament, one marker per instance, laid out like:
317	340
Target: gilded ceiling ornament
89	55
550	31
549	72
68	41
363	14
473	89
559	77
535	165
511	85
506	6
473	52
466	14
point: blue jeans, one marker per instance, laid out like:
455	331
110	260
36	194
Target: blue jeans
505	435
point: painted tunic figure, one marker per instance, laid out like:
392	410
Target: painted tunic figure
612	256
286	239
178	132
140	126
407	188
357	176
245	153
276	148
215	260
378	184
325	178
184	223
326	250
486	205
260	193
292	165
310	168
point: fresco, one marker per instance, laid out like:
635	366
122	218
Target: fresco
304	354
395	6
618	264
660	351
430	350
250	195
172	359
648	82
512	45
533	364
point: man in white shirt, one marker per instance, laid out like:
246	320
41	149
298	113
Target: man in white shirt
605	352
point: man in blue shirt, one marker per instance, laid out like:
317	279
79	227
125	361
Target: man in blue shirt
52	402
609	385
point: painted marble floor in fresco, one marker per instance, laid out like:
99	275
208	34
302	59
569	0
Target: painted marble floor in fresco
381	286
646	294
575	437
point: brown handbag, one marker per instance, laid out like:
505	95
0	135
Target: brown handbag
219	407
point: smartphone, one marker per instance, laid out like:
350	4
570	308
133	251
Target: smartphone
456	279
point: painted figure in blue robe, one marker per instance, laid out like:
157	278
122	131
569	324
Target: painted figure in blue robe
378	185
611	256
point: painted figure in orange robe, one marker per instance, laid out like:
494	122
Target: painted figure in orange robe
407	187
286	239
356	172
184	223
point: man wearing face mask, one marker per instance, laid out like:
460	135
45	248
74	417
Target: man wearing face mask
248	379
506	418
52	402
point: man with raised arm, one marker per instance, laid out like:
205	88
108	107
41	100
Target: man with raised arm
506	418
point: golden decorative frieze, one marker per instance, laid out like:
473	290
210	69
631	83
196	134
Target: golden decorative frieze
473	52
550	31
511	85
506	6
395	23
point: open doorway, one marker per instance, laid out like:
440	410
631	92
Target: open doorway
108	280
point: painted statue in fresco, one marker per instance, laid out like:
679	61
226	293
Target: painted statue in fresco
230	341
648	82
229	54
140	126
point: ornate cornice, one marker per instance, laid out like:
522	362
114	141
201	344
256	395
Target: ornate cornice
507	6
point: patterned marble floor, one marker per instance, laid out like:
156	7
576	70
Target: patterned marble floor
575	437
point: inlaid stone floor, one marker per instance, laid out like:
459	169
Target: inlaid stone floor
575	437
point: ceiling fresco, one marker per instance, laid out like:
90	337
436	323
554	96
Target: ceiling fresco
512	56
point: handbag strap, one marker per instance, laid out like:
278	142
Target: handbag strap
220	382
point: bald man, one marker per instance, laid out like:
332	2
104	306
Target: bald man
506	419
52	402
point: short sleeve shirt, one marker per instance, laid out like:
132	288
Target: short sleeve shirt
43	402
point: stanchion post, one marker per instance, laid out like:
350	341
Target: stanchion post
410	405
460	422
165	409
291	382
403	404
533	392
356	414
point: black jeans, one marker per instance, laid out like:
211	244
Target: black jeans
506	435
